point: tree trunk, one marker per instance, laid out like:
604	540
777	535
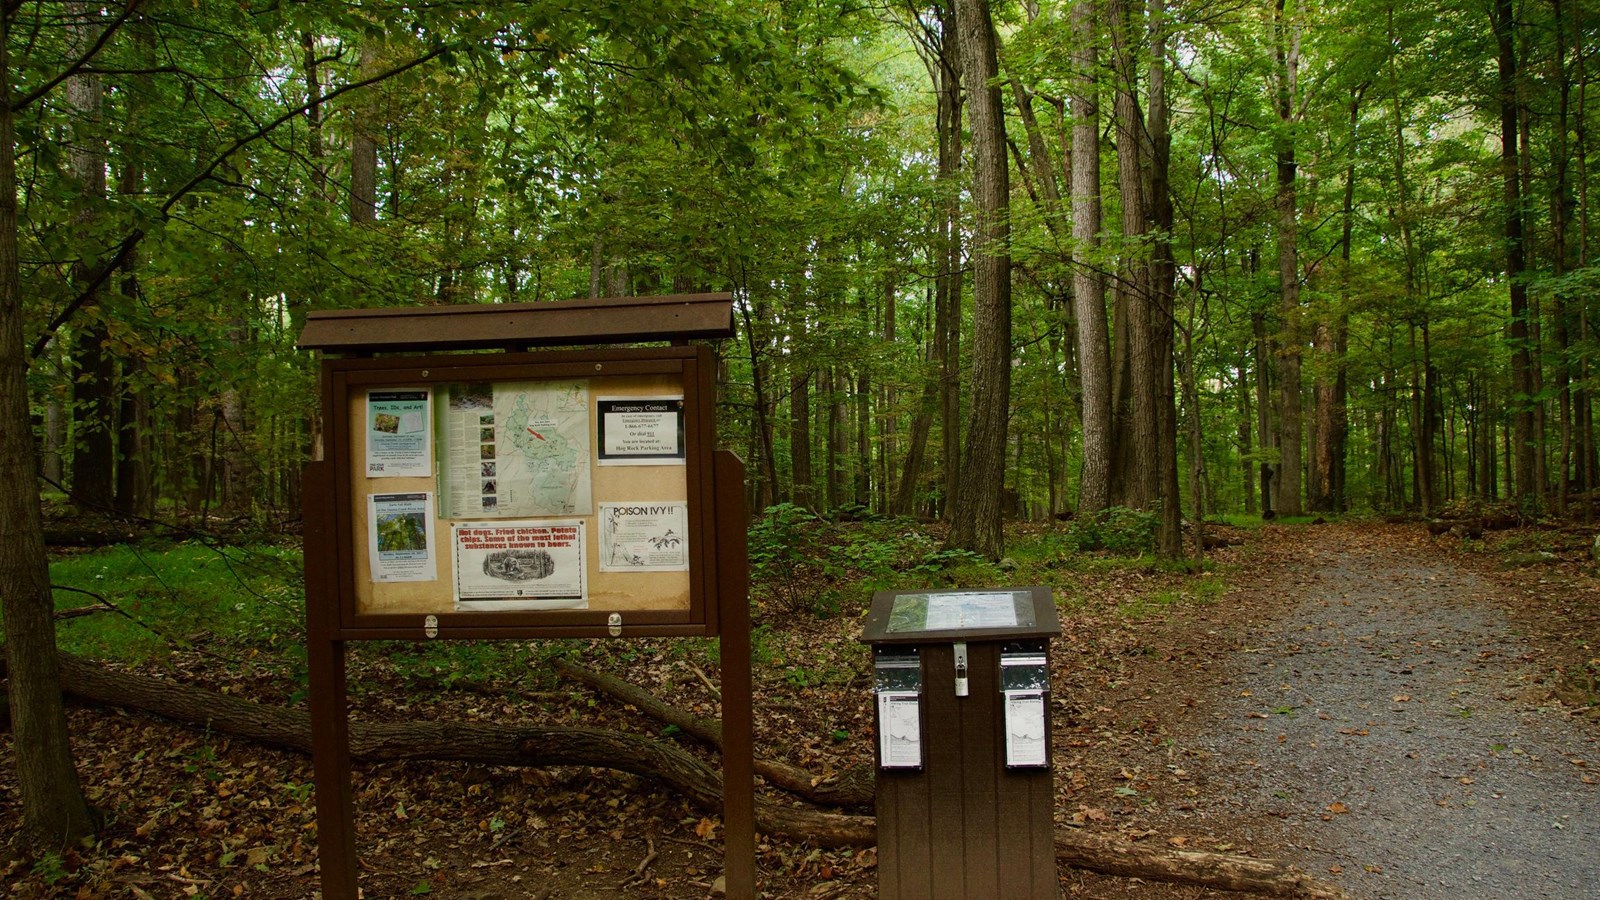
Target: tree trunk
1560	206
905	496
950	277
1088	284
1163	289
1523	92
767	492
976	524
853	787
888	399
1247	478
1263	352
1422	424
364	149
838	446
94	406
52	464
1524	487
1290	422
1587	466
134	451
54	813
1139	445
802	482
1334	428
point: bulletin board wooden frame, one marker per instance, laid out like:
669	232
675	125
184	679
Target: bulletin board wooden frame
487	343
647	603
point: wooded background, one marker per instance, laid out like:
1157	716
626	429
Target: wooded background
990	260
1306	256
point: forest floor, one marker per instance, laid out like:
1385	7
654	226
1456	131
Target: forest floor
1400	715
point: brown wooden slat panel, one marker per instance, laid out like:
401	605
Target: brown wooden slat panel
981	733
965	827
502	325
944	758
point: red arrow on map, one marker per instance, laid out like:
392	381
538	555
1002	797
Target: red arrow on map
536	434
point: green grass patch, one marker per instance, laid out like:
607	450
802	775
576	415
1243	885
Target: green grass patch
178	595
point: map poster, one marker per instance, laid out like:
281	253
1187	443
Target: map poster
397	434
640	431
506	566
400	537
644	537
515	450
951	610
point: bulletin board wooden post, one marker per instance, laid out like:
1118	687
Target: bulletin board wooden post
522	494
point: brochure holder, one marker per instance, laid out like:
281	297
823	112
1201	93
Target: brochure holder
964	788
898	685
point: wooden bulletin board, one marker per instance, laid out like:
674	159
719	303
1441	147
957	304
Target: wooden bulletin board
395	446
539	494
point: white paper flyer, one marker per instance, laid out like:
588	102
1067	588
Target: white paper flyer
398	434
1025	729
648	536
899	730
640	431
400	537
519	565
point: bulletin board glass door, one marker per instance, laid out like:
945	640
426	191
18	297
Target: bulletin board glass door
528	492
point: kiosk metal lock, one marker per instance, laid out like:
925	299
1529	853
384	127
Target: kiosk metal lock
897	677
960	653
1024	684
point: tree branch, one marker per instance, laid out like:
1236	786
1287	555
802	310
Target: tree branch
77	65
129	243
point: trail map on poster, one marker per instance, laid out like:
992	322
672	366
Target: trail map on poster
516	450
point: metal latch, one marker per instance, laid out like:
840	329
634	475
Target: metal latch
614	624
961	668
430	627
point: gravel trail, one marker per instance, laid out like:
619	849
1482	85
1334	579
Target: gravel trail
1383	718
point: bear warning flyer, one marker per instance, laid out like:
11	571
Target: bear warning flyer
504	566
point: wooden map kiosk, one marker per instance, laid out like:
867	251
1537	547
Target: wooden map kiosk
525	493
964	793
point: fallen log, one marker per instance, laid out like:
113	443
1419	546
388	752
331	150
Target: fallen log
651	759
88	535
494	745
1473	526
79	612
853	787
1222	871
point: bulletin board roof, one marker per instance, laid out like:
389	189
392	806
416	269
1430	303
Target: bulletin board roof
500	325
